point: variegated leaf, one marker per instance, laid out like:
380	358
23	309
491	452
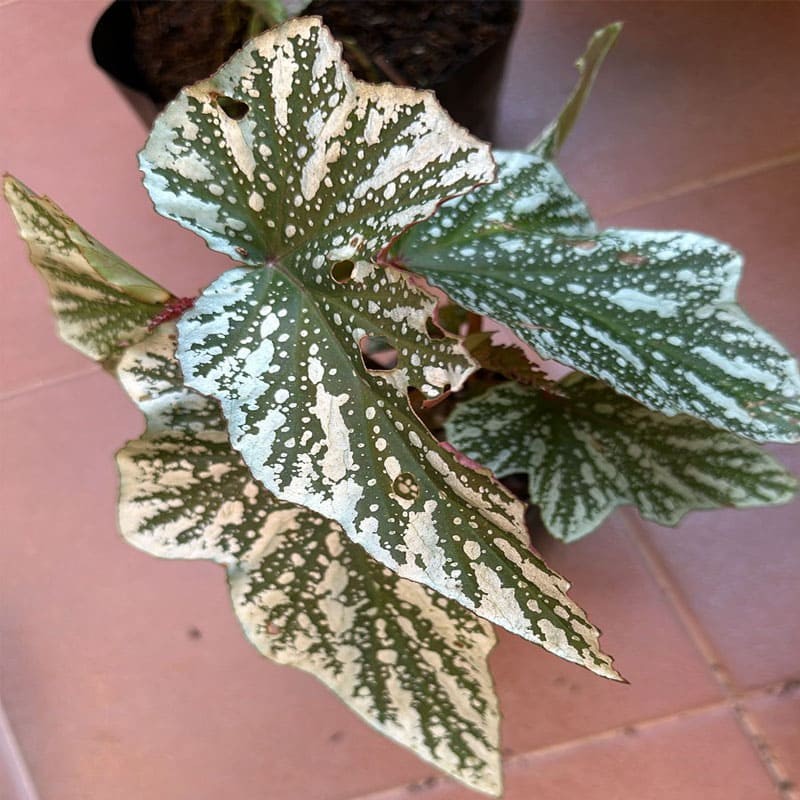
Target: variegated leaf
100	302
653	314
553	136
313	177
317	429
591	449
410	662
283	151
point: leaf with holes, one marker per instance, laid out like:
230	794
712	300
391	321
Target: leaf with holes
652	314
410	662
100	302
591	449
279	345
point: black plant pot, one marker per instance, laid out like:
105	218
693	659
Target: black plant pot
458	48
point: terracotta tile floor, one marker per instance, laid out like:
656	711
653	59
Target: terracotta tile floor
126	677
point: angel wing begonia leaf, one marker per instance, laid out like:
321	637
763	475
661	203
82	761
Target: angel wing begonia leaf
317	429
653	314
590	449
410	662
318	173
300	153
101	303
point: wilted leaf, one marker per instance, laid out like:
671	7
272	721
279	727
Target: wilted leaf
553	136
100	302
593	449
320	172
410	662
653	314
507	360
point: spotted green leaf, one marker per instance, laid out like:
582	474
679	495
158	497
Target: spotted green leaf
550	140
591	449
310	160
100	302
318	174
318	429
653	314
410	662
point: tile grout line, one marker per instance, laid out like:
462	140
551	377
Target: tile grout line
12	755
49	382
723	678
703	183
519	759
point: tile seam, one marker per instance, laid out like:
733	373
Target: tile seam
518	759
699	184
48	383
734	696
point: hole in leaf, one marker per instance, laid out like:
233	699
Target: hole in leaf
235	109
434	331
342	271
406	487
631	259
377	353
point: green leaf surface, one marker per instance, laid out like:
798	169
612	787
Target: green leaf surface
550	140
410	662
653	314
100	302
591	449
317	429
317	157
319	173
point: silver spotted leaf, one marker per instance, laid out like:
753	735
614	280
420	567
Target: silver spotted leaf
318	429
101	303
590	449
282	149
652	314
550	140
410	662
307	178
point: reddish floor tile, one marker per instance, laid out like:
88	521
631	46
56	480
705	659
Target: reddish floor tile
15	782
778	717
758	216
128	677
737	568
702	757
75	139
691	90
737	571
546	701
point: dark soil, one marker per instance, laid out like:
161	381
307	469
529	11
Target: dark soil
456	47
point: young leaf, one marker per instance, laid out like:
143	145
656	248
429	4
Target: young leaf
410	662
100	302
592	449
550	140
279	345
652	314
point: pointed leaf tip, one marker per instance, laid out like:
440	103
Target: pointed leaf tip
101	303
550	140
410	663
